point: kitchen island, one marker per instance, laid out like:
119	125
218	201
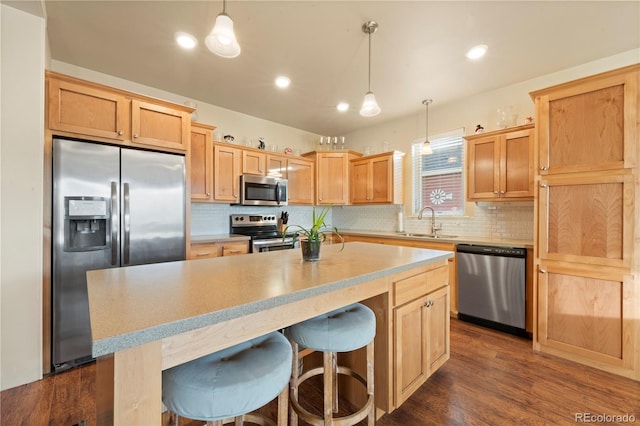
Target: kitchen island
148	318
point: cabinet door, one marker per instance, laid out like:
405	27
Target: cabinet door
483	174
585	129
381	179
88	111
360	182
516	165
587	218
588	312
276	166
201	163
437	329
226	173
333	178
253	163
159	126
301	185
411	367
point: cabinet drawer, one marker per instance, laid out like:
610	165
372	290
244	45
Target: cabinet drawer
202	251
418	285
233	249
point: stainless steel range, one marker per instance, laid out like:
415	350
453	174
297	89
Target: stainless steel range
263	230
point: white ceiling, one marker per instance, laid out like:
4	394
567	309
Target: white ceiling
417	52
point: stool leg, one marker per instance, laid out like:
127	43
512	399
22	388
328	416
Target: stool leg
328	387
293	384
334	380
283	407
370	375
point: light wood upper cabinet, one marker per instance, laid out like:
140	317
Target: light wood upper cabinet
587	268
227	163
301	183
376	179
159	125
201	162
254	162
87	110
500	164
276	166
332	175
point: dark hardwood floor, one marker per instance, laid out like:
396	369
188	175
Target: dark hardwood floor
491	379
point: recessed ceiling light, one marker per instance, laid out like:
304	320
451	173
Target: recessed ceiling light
342	106
186	40
477	52
283	82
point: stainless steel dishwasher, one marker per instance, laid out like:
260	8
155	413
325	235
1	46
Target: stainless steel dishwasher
491	286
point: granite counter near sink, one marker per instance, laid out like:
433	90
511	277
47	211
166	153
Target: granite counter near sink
528	244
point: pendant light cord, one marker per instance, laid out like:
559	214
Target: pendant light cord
224	7
369	89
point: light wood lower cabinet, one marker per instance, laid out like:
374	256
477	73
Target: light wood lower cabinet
227	248
421	340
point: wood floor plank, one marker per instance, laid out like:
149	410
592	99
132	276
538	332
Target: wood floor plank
491	379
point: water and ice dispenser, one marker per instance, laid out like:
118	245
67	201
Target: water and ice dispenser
86	223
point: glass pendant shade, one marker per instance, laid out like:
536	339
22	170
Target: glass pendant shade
370	107
222	40
426	148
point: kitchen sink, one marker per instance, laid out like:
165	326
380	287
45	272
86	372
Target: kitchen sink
429	236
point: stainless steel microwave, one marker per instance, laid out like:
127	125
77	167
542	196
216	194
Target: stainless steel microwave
262	191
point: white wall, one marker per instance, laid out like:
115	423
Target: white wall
21	172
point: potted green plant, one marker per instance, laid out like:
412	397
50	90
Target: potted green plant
311	238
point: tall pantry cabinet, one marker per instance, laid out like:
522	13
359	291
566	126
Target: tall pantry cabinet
587	248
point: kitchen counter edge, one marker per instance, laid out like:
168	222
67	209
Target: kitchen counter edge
527	244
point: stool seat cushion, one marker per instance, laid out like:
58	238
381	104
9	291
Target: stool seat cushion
230	382
343	330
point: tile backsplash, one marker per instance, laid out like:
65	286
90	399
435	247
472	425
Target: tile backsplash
510	220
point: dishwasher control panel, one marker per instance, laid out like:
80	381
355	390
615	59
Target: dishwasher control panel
492	250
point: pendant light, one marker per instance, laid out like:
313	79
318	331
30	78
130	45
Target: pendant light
426	146
222	40
370	107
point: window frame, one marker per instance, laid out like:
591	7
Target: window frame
455	136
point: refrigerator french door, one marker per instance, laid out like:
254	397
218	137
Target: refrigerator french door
112	207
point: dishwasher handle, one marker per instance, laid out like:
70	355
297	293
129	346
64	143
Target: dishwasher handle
492	250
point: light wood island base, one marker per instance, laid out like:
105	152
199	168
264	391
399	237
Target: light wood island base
211	304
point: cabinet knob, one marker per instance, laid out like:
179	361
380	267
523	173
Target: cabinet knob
135	135
543	185
208	193
428	303
501	192
495	192
543	271
544	168
120	132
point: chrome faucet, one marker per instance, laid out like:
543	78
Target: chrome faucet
434	229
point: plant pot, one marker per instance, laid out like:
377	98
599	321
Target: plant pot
310	250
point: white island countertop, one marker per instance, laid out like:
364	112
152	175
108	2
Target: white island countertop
135	305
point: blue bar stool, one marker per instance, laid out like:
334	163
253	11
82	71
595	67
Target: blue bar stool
229	384
343	330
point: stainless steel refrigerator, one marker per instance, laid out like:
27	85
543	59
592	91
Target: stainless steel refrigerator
112	207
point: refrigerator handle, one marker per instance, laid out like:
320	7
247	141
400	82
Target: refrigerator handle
126	225
114	223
